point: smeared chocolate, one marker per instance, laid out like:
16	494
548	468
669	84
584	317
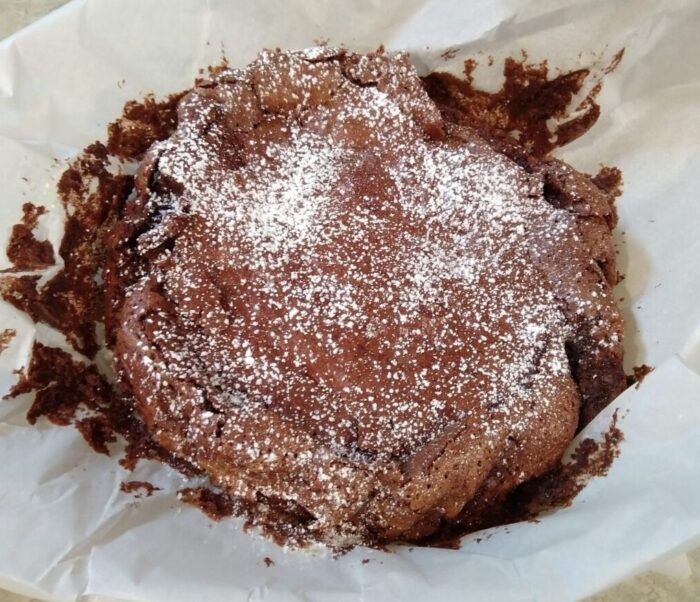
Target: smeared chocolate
70	300
62	385
23	249
71	392
142	123
92	195
215	505
6	337
528	100
556	489
98	432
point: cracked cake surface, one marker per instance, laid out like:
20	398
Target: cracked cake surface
350	308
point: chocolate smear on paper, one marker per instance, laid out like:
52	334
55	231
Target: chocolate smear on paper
6	337
139	488
528	100
556	489
24	250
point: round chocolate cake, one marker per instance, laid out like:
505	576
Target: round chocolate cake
345	304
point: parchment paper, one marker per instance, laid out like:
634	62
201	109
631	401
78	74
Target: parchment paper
67	532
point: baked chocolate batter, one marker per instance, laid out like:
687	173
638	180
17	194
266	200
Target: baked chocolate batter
328	294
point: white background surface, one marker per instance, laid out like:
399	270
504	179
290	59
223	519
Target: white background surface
628	104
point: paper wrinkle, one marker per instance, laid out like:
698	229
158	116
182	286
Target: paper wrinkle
68	532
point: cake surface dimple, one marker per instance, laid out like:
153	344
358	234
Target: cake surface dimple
331	298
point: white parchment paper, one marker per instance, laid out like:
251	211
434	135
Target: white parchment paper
67	532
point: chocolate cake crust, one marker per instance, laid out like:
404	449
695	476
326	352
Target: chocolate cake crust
327	294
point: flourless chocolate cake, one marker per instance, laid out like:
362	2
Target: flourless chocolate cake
337	296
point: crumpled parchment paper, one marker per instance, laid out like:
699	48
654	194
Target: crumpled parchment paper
67	532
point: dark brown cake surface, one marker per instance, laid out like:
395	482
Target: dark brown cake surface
329	296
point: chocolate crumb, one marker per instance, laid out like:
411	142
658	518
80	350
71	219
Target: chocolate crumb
139	488
639	373
268	561
71	301
609	179
365	561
